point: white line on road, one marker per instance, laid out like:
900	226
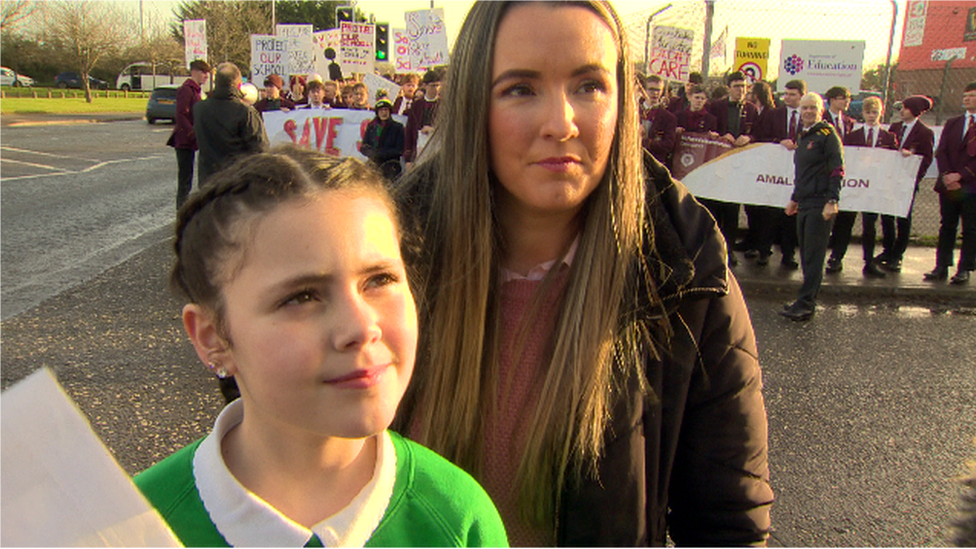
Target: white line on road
86	170
14	149
33	165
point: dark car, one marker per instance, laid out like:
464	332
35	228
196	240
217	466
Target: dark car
162	103
73	80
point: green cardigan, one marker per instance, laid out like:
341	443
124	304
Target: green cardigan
434	503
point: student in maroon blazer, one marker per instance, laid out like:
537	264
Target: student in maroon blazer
658	126
780	125
838	100
736	118
695	118
681	102
914	137
957	191
871	134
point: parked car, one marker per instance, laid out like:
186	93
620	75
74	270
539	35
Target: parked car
9	77
162	103
73	80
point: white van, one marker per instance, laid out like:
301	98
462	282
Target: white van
142	76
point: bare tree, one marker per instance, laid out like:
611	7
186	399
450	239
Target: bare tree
13	12
230	24
89	30
158	47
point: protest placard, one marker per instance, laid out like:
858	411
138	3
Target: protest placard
357	46
320	41
269	55
875	180
195	40
401	50
694	149
375	83
752	57
427	38
301	57
336	132
670	55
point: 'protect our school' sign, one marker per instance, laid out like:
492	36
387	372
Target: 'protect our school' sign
670	55
336	132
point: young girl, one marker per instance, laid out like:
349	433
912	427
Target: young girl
290	261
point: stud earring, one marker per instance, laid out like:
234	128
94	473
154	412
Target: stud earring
219	371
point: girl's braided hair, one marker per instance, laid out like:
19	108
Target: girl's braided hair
211	228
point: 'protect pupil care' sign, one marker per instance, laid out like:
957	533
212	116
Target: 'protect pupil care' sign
670	55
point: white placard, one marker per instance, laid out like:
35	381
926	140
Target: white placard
822	64
375	82
915	23
269	55
301	57
427	33
320	42
336	132
61	486
670	55
875	180
195	40
357	48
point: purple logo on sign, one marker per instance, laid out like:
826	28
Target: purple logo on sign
793	64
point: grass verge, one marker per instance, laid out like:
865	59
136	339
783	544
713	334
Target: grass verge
71	105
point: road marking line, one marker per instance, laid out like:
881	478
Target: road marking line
14	149
33	164
86	170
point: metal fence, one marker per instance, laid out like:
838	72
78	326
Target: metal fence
879	23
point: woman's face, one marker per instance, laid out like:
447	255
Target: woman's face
552	117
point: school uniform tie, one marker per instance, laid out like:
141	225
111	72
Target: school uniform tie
793	126
870	137
839	123
971	136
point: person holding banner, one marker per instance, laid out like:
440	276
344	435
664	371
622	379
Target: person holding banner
183	139
819	163
871	134
761	97
914	137
297	91
695	118
383	140
584	349
408	85
316	96
957	192
838	100
273	101
682	101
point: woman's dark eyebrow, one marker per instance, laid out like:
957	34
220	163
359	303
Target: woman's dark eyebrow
529	73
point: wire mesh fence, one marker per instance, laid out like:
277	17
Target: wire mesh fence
933	60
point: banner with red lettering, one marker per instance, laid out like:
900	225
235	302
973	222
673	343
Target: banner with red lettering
336	132
693	150
875	180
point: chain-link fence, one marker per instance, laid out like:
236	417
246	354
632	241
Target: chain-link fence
934	59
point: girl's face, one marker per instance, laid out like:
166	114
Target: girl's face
322	323
551	118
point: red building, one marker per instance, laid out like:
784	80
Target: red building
938	52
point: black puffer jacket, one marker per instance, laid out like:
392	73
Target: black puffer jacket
225	127
687	457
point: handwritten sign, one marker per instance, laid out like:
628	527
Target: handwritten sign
301	58
428	38
195	39
670	55
401	50
357	47
269	55
320	41
336	132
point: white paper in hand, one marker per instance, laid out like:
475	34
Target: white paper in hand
61	486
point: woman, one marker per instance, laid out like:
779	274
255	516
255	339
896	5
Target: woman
584	350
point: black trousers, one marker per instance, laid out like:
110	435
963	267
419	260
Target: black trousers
775	225
840	238
812	234
895	232
955	206
184	177
726	216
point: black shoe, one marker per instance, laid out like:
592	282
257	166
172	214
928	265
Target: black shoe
834	265
891	265
752	254
872	271
798	312
763	260
789	263
937	274
961	277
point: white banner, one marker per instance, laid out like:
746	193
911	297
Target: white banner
269	55
357	48
822	64
428	39
401	50
301	57
336	132
875	180
195	40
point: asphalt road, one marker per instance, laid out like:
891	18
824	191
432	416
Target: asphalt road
77	199
872	405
